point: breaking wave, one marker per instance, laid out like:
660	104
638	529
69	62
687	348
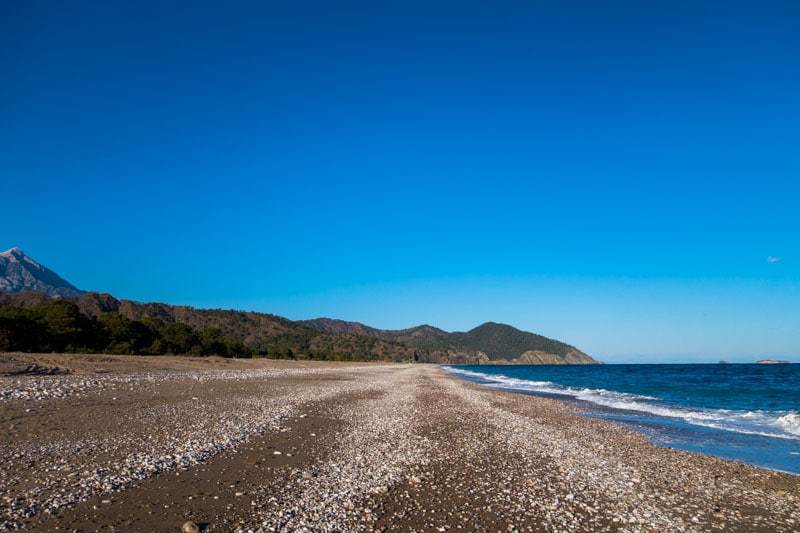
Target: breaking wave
777	424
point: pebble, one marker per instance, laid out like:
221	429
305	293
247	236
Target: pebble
190	527
66	474
528	460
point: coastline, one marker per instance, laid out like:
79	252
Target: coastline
729	428
250	445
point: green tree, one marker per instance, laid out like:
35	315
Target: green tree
179	338
124	336
19	332
67	328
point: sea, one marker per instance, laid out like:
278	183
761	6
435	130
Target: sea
744	412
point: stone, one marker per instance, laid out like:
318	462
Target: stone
190	527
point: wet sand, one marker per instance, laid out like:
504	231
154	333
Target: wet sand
104	443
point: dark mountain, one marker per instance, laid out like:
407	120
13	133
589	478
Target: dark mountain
19	273
489	342
40	311
93	322
501	341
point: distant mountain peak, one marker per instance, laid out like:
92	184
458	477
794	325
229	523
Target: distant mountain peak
13	252
20	273
491	325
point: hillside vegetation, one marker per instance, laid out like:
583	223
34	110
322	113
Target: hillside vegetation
100	323
487	343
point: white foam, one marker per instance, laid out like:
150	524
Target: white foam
790	423
776	424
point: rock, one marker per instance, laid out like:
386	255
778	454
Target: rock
190	527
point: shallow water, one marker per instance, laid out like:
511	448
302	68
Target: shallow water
749	413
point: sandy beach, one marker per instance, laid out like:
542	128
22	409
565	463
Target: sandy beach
112	443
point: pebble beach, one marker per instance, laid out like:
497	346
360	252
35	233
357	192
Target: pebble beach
105	443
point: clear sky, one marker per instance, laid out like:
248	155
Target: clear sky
615	175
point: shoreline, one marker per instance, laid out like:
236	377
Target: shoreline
709	430
258	445
599	412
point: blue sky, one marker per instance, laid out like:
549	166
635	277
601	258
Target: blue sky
613	176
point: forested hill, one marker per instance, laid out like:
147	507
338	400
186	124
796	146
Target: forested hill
40	311
501	341
97	323
489	342
101	323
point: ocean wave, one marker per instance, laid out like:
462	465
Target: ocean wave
776	424
790	423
